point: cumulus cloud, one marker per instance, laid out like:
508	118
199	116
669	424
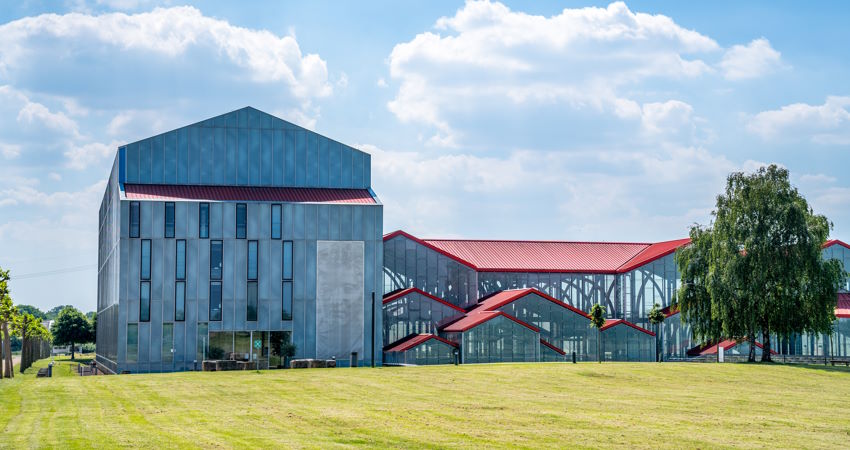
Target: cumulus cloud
826	124
753	60
10	151
80	157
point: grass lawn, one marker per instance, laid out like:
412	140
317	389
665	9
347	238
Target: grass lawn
502	405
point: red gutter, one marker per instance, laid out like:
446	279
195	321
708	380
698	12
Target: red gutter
610	323
523	292
561	352
396	295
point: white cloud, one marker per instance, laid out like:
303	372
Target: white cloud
29	195
827	124
382	82
172	32
10	151
54	176
80	157
753	60
670	117
35	115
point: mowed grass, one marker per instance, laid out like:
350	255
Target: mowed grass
501	405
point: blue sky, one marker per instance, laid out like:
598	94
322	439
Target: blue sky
537	120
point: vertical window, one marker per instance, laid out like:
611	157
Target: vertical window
135	219
145	302
204	220
252	301
180	270
287	260
146	259
286	301
241	220
275	221
167	342
180	301
215	260
215	300
169	219
252	260
132	342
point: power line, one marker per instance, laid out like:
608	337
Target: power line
53	272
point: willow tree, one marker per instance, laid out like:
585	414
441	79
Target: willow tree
757	269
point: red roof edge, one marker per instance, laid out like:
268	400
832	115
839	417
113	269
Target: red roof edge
489	316
561	352
415	340
610	323
398	294
432	247
526	291
525	324
670	311
832	242
637	260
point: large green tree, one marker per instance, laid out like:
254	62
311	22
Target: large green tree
757	269
71	328
29	309
53	313
8	313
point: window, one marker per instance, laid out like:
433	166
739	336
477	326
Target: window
180	301
169	219
204	220
135	219
286	303
145	302
146	260
252	260
252	301
275	221
287	260
132	342
241	220
215	260
215	300
180	272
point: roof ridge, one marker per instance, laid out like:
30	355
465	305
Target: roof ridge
539	241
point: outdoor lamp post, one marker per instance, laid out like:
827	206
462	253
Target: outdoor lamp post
456	354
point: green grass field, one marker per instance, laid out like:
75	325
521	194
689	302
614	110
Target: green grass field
502	405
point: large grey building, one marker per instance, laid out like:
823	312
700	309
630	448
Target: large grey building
233	236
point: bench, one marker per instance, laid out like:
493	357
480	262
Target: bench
42	373
846	362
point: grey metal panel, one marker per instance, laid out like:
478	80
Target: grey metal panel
339	299
145	220
346	166
310	296
266	161
323	161
324	217
298	221
243	174
264	281
301	157
179	344
253	216
131	163
335	165
255	157
231	166
155	338
289	151
207	152
299	263
240	284
157	268
367	170
263	221
357	223
169	268
312	155
194	143
228	220
170	152
145	161
203	285
243	117
156	160
216	220
311	216
279	163
345	218
157	219
181	219
333	223
125	219
273	277
220	155
288	212
357	169
183	156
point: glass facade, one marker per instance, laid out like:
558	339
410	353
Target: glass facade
547	354
169	220
624	343
654	282
581	291
414	313
500	340
204	220
432	351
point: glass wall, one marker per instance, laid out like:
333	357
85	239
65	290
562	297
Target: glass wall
500	340
624	343
676	337
432	351
841	253
581	291
414	313
841	338
640	289
549	355
558	325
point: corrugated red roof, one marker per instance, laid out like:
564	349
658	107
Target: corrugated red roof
169	192
843	309
547	256
552	347
834	242
417	340
610	323
475	318
503	298
396	295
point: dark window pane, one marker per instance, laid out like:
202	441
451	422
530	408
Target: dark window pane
275	221
180	301
181	260
252	301
169	220
145	302
215	260
146	259
241	220
215	300
287	301
287	260
135	219
204	220
252	260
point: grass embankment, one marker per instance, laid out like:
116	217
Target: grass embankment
521	405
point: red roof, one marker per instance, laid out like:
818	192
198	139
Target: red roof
727	344
547	256
553	347
670	311
843	309
836	241
475	318
610	323
503	298
397	295
417	340
246	193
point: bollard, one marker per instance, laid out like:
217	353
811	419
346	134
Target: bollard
353	360
50	370
574	357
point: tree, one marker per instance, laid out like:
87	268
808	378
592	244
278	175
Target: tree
29	309
53	313
757	269
656	318
8	313
71	328
597	320
31	330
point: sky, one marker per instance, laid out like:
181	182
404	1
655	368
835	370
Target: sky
512	120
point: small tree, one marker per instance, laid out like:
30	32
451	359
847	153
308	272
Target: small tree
8	313
71	328
597	320
656	318
29	329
